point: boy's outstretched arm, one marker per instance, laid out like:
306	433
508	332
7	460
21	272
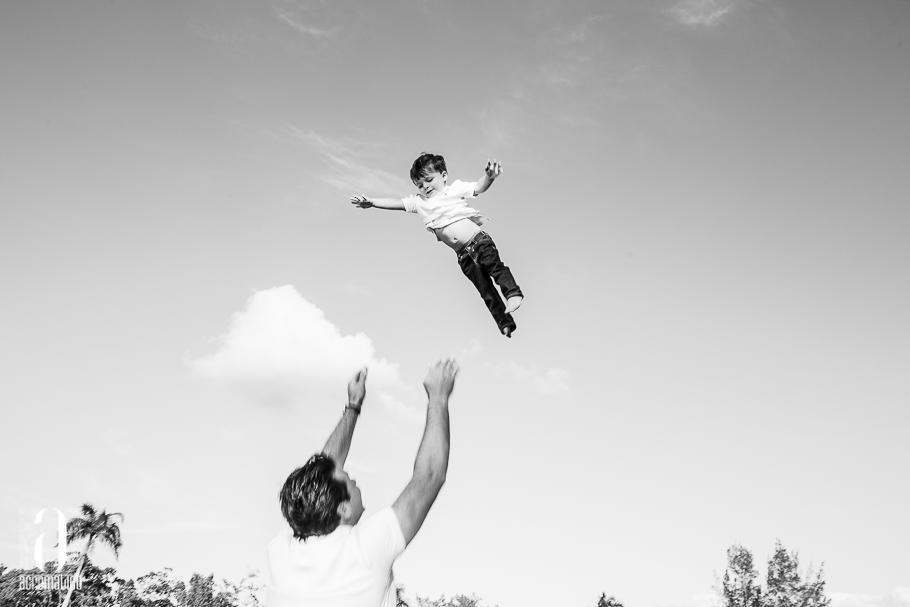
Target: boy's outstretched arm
490	172
392	204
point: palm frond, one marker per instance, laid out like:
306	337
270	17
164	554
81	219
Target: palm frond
94	525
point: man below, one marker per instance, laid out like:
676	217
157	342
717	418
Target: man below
325	558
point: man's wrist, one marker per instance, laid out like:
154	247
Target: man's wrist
353	407
438	401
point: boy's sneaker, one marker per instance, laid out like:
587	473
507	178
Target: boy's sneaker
513	303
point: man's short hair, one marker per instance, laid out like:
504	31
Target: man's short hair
310	498
427	163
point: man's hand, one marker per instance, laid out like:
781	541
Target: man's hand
339	442
361	202
440	379
493	169
357	389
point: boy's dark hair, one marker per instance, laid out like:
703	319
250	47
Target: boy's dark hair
310	498
427	163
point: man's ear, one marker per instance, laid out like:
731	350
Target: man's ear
344	511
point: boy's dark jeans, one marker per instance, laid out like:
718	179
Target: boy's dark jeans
480	262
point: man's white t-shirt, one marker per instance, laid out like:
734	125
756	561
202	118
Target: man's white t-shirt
350	567
448	206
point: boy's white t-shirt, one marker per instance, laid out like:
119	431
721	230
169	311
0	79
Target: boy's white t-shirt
350	567
446	207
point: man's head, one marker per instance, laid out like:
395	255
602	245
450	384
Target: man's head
318	497
429	174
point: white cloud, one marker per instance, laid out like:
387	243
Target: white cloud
296	21
592	70
281	347
553	381
347	161
703	13
899	597
580	31
505	120
473	349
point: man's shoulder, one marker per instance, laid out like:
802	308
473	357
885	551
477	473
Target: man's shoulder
382	532
382	522
385	517
284	535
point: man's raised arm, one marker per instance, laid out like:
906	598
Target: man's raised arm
432	461
339	442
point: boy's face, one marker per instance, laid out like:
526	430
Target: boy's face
431	183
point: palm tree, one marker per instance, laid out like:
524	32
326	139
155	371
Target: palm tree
94	526
608	602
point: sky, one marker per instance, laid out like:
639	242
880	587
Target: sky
705	203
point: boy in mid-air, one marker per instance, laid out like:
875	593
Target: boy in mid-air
445	211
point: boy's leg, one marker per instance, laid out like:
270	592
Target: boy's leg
471	268
489	260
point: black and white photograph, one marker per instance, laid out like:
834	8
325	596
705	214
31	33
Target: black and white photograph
437	303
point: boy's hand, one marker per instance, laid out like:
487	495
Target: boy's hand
493	169
361	202
440	379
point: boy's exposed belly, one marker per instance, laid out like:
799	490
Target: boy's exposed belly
457	234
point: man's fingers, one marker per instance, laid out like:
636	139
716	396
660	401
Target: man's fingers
451	367
444	363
